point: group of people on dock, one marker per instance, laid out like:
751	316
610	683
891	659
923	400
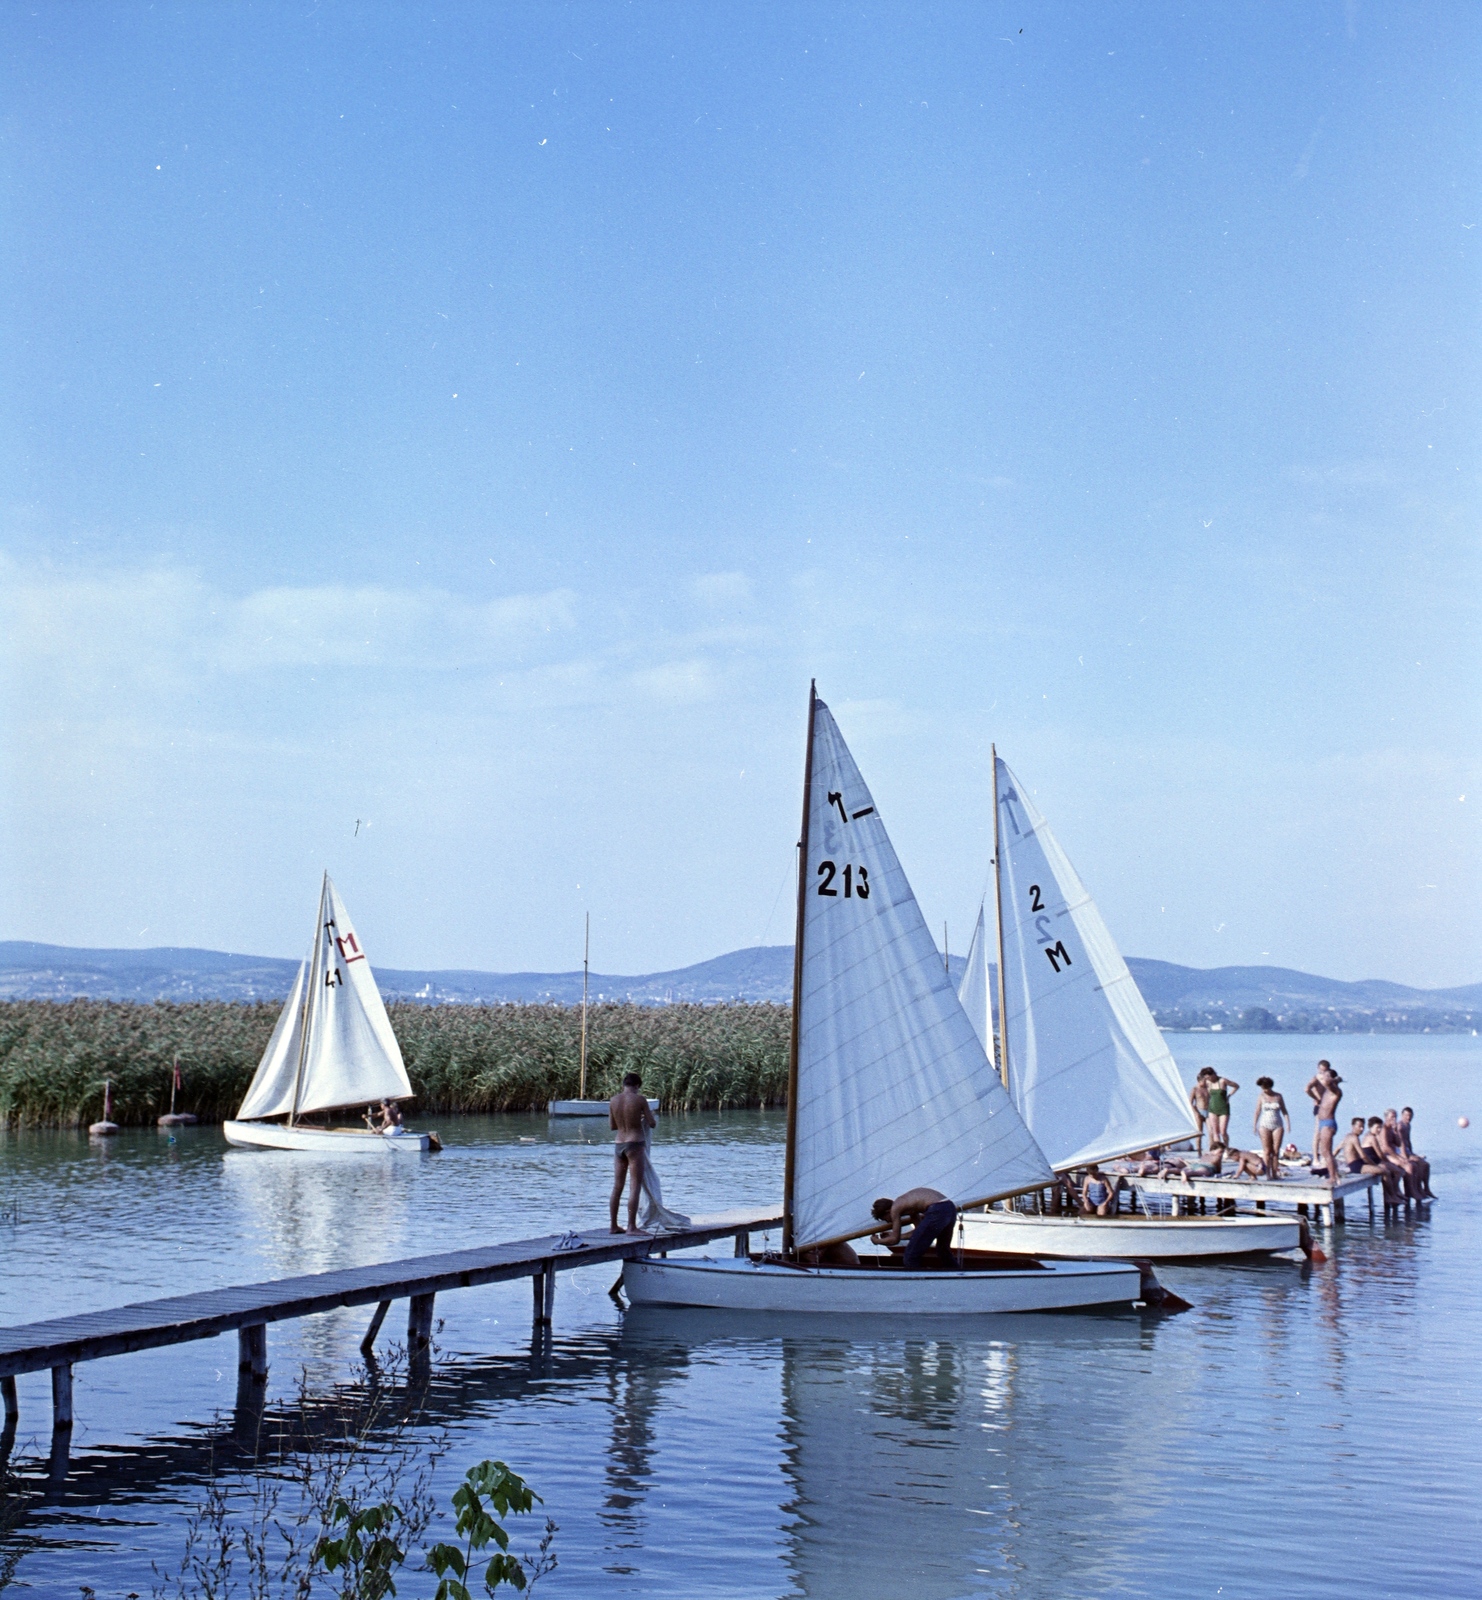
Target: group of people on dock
1377	1147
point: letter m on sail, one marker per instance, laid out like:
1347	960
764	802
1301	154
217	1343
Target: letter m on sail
1058	954
352	951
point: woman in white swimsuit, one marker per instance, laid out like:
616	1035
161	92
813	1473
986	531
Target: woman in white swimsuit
1272	1121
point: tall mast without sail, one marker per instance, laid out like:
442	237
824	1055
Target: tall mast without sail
586	951
1003	1026
797	984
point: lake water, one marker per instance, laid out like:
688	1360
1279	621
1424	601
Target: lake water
1300	1432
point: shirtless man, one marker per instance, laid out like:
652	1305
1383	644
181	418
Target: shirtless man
1393	1148
628	1114
1402	1128
1324	1093
934	1216
1199	1103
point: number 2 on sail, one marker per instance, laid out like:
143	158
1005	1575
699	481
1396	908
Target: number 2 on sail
856	880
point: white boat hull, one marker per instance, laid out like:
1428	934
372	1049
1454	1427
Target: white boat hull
340	1141
740	1284
586	1108
1124	1238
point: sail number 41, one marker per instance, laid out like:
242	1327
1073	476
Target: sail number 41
856	880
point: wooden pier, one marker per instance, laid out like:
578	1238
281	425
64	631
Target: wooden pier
1325	1201
57	1345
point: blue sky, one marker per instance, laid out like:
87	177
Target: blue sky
479	423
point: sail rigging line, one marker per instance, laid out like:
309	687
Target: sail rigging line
306	1015
789	1169
1003	1030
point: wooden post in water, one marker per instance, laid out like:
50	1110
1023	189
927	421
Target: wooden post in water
419	1324
12	1403
61	1399
548	1303
252	1351
743	1245
367	1344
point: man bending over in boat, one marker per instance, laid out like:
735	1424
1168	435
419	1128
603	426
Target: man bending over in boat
934	1217
628	1115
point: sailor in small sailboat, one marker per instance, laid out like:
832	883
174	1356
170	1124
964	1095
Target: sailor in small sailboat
332	1050
887	1082
934	1218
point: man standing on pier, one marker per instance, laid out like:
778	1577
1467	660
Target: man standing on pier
629	1116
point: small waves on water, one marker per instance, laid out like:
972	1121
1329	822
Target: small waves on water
1302	1431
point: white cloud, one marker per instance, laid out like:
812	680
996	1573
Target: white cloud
678	682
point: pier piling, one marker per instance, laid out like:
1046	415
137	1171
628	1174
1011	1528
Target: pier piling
368	1343
61	1398
12	1403
419	1324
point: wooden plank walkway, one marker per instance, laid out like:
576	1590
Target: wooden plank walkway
1326	1200
61	1342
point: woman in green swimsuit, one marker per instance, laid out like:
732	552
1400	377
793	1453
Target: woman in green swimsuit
1220	1091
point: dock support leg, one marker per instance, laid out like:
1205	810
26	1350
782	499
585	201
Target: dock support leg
12	1403
61	1398
419	1324
252	1352
543	1287
743	1245
368	1343
1370	1193
1340	1213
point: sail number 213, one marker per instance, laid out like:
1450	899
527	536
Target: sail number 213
856	880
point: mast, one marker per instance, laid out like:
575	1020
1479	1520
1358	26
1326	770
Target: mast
306	1015
946	959
797	982
1003	1025
586	951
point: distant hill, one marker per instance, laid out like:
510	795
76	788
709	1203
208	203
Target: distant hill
1246	998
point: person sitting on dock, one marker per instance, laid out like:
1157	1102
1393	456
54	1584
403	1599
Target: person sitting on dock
628	1114
1354	1161
1402	1131
1371	1147
935	1219
1098	1193
1324	1092
1393	1146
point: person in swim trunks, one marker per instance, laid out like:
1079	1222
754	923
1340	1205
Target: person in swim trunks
628	1114
1199	1101
1402	1130
1324	1092
935	1219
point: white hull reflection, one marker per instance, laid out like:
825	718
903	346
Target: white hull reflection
740	1284
339	1141
1124	1238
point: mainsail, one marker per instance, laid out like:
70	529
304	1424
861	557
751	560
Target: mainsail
333	1045
892	1087
1087	1066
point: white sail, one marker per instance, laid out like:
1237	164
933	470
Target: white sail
893	1087
1088	1069
975	989
271	1091
333	1045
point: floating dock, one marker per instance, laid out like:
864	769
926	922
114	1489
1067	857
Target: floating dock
58	1344
1325	1201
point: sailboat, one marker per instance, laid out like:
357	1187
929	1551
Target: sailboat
1080	1053
332	1048
581	1106
888	1088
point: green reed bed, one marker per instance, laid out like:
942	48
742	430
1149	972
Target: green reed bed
54	1056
